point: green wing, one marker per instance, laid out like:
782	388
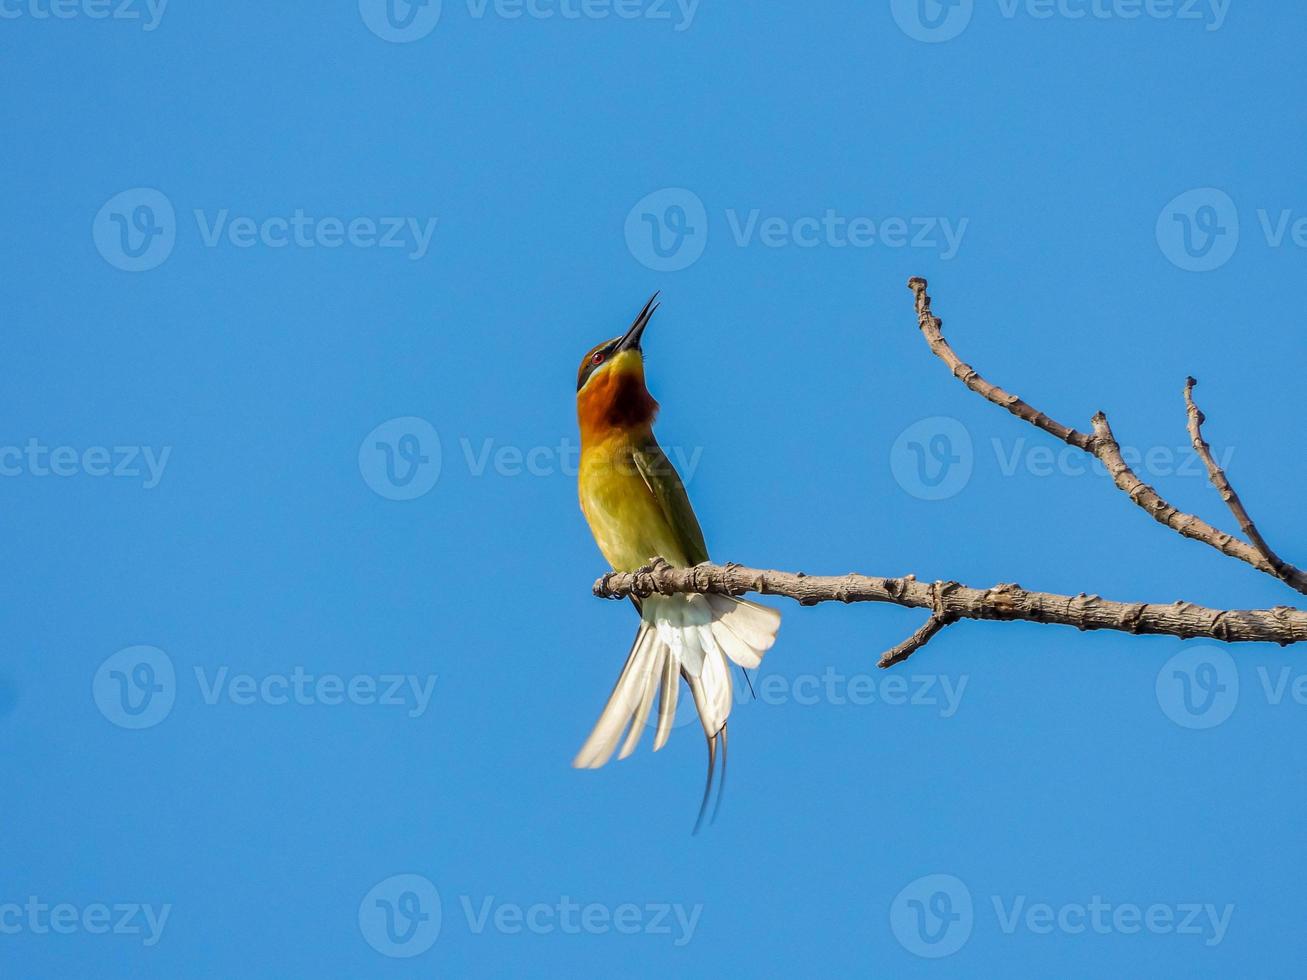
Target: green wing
665	483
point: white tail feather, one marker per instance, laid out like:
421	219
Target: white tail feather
712	694
689	635
753	623
671	687
652	674
622	703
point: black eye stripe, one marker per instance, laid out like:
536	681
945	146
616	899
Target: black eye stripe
588	366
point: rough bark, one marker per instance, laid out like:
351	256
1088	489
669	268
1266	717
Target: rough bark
1007	602
1103	445
1281	568
950	601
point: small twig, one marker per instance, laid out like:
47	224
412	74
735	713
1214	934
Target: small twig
1283	569
932	329
1102	445
900	653
1002	602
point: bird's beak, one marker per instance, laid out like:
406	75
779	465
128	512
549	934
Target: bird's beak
631	339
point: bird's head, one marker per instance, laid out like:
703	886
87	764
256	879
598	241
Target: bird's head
610	389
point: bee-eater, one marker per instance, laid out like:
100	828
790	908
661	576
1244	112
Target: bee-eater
637	509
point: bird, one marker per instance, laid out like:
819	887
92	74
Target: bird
637	508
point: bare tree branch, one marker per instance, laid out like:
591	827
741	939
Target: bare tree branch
932	329
1219	480
900	653
1102	445
951	599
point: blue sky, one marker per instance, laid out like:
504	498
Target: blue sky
299	635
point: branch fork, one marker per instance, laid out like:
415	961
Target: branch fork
949	601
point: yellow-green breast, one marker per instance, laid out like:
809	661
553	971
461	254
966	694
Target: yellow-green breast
625	517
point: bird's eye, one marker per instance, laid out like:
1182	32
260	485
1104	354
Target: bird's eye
598	357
